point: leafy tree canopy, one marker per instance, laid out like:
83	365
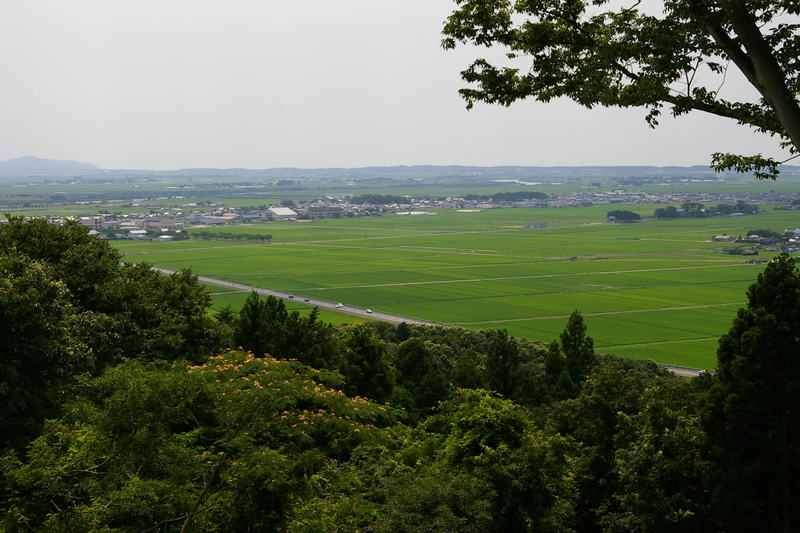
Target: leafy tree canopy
68	307
222	446
578	348
70	253
673	54
623	215
39	345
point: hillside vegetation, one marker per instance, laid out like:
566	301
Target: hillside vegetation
127	407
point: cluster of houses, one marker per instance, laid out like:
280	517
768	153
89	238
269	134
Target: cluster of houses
164	225
790	236
168	223
622	196
339	206
789	241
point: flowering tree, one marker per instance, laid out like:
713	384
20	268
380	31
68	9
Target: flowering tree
225	445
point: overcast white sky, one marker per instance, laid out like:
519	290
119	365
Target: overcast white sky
168	84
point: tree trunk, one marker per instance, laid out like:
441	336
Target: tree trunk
770	79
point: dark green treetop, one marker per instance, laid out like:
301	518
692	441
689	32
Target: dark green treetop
578	348
421	374
751	416
39	347
623	215
260	325
502	363
80	260
366	368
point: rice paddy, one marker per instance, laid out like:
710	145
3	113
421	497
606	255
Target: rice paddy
656	289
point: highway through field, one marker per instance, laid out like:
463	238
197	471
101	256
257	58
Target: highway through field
322	304
357	310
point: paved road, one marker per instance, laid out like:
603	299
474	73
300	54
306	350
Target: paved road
355	310
322	304
683	371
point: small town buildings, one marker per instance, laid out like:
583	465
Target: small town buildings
282	213
95	222
161	222
324	211
129	225
213	220
415	213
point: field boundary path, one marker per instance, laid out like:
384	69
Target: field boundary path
359	311
602	313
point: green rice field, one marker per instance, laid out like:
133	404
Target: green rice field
656	289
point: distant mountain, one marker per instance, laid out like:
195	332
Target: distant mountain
464	172
36	166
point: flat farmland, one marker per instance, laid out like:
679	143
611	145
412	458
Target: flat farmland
655	289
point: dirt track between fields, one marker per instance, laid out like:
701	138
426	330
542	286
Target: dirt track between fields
605	313
532	276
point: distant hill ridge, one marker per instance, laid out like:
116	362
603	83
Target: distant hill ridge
35	166
30	164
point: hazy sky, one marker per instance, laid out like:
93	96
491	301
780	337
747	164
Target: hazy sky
263	83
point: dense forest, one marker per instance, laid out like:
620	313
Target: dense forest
125	405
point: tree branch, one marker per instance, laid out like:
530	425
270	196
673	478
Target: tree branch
177	518
720	110
724	41
769	76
